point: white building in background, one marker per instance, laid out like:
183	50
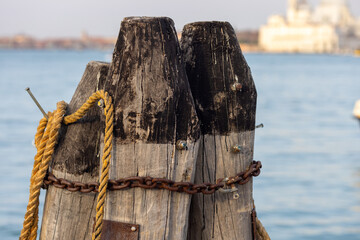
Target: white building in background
327	29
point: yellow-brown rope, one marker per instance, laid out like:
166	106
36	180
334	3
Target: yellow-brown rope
261	233
45	140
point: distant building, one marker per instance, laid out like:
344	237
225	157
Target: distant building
329	28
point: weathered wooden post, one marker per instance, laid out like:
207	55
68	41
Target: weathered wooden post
69	215
225	97
154	112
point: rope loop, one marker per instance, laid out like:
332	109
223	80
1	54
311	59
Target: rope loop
45	140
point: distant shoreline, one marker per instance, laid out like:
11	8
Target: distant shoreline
245	50
248	43
84	42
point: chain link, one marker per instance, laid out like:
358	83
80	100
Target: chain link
155	183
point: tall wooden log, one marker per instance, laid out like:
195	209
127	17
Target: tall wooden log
225	97
70	215
153	110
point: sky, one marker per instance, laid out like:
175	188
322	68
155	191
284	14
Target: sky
69	18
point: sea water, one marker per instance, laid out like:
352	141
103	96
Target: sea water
310	146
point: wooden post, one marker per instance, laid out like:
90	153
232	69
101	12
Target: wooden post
153	110
70	215
225	97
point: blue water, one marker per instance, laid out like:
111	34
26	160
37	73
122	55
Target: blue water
310	146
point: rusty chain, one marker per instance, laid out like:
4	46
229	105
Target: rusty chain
156	183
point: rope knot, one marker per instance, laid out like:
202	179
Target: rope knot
45	140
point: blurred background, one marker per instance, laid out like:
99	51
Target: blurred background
304	57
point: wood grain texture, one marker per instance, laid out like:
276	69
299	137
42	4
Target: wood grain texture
153	109
78	148
147	82
220	216
214	63
70	215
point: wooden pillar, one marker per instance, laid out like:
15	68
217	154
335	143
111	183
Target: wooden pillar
225	97
153	110
70	215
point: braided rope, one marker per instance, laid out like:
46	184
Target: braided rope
261	233
45	141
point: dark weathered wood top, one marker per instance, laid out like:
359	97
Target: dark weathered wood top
79	143
148	84
214	63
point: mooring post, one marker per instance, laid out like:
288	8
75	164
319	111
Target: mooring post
156	134
225	97
154	110
70	215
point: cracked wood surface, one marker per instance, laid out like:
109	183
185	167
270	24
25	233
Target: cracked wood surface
214	63
153	109
69	215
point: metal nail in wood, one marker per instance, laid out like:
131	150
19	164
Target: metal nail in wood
36	102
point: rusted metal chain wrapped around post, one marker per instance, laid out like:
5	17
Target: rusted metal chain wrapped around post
156	133
155	183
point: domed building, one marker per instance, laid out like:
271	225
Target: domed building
329	28
335	12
